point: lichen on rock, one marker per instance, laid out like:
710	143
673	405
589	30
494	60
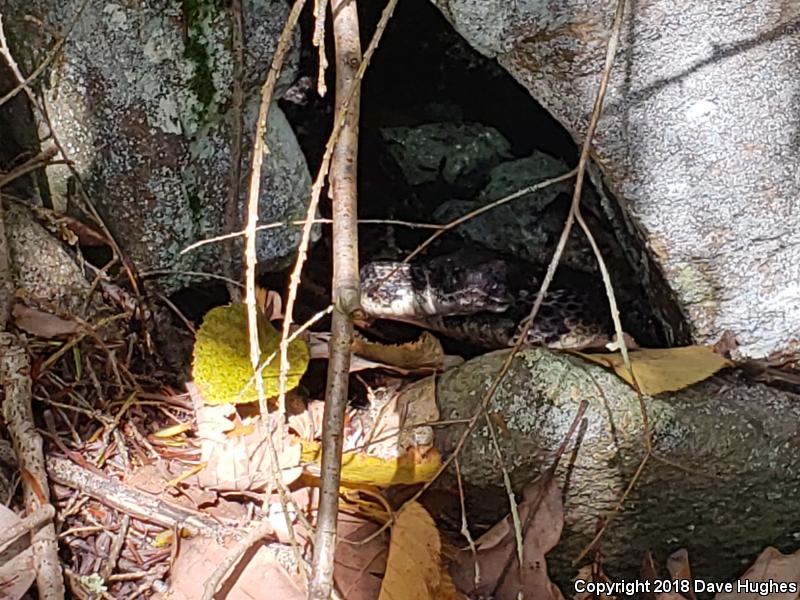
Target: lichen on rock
140	101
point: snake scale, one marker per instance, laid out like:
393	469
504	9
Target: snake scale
483	301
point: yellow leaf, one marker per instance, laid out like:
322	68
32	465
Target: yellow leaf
164	539
414	568
186	474
660	370
359	468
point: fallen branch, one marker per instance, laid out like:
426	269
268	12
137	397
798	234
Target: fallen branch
15	374
43	514
137	503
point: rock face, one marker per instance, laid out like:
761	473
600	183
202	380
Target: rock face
44	271
530	226
458	153
140	101
697	142
723	486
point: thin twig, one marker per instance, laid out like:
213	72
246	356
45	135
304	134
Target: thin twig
465	525
44	158
259	532
597	110
320	8
277	224
491	206
6	280
199	274
253	195
231	215
23	85
259	150
546	477
607	521
26	525
116	548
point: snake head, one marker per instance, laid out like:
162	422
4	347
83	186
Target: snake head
455	288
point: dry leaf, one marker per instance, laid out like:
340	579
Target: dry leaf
541	513
360	469
417	355
660	370
42	324
771	565
239	458
414	568
426	352
173	431
87	235
308	423
17	571
269	303
261	571
591	573
70	229
680	569
358	564
397	420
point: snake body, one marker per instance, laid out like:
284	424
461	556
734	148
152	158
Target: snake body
482	301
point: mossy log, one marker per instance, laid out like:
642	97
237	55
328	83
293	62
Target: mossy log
723	480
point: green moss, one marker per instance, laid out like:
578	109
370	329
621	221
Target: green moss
221	365
196	206
198	15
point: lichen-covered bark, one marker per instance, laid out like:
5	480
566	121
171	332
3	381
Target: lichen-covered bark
698	139
736	446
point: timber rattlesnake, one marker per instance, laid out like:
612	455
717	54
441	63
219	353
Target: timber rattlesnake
483	301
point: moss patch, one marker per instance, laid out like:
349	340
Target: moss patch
199	16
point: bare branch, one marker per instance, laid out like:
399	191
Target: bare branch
345	291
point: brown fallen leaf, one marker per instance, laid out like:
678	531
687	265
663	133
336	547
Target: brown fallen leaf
360	558
660	370
40	323
87	235
70	229
680	569
261	571
420	356
235	454
542	515
650	574
425	352
770	566
17	571
593	573
414	569
397	420
270	303
307	424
